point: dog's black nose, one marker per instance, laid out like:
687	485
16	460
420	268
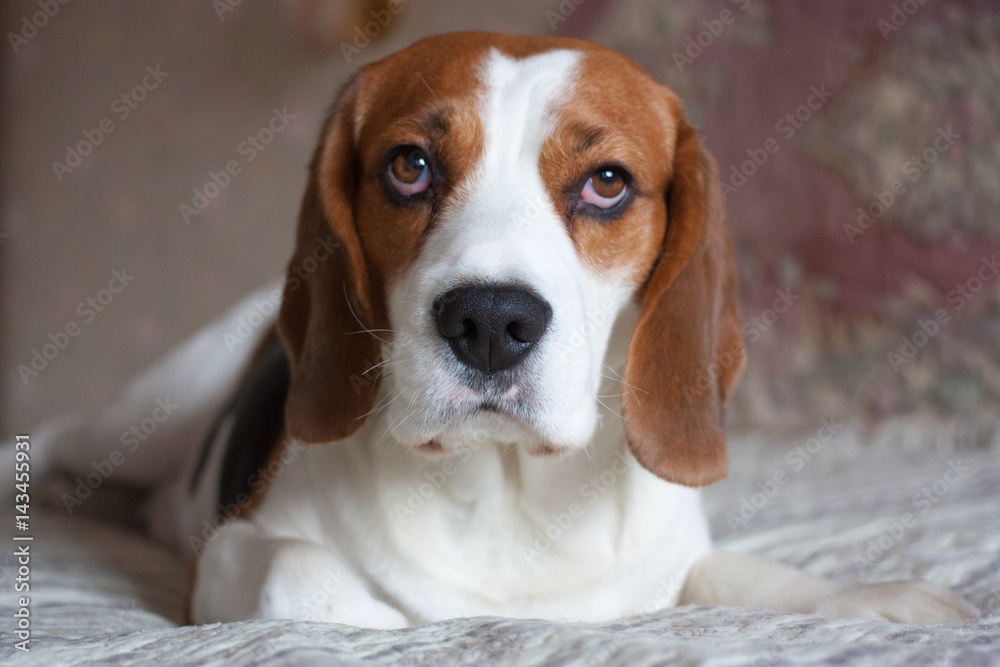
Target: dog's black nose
491	328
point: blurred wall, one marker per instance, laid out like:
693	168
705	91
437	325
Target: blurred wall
858	143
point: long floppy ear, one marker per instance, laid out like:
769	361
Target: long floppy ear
686	353
327	299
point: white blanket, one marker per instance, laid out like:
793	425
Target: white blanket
103	595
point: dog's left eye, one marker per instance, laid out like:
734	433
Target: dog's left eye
605	188
409	172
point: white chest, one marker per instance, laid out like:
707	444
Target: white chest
492	530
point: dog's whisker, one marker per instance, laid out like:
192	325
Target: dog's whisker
406	415
380	364
632	389
606	407
381	405
357	319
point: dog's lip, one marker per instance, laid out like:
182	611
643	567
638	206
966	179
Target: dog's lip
430	447
506	410
484	398
549	450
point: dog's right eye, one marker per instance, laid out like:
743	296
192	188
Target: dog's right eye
605	188
409	172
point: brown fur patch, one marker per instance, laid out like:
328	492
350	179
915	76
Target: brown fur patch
617	115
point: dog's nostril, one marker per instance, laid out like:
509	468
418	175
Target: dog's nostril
491	328
469	329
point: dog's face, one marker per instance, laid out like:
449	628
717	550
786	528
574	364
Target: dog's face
496	204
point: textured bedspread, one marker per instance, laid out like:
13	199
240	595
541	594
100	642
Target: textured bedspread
906	508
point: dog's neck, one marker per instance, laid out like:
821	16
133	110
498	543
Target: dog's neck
511	512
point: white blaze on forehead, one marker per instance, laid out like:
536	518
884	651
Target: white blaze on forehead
506	218
518	102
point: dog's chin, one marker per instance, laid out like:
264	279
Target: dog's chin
491	425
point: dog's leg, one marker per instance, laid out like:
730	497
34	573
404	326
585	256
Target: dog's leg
244	574
744	580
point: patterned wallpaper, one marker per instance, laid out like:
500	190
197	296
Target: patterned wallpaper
858	146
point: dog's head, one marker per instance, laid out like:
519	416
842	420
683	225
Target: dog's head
493	207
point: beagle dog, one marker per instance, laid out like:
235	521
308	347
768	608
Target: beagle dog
494	374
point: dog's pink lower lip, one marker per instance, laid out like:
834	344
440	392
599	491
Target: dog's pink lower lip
462	395
430	447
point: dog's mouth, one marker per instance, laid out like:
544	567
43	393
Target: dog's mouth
492	406
491	420
504	410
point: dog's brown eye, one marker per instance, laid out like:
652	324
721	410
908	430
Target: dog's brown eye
605	188
608	183
409	172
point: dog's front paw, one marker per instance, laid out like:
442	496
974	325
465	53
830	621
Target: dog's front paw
900	602
244	574
307	582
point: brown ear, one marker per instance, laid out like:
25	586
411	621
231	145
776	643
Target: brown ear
686	353
327	305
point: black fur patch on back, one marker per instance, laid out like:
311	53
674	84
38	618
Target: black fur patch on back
258	413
